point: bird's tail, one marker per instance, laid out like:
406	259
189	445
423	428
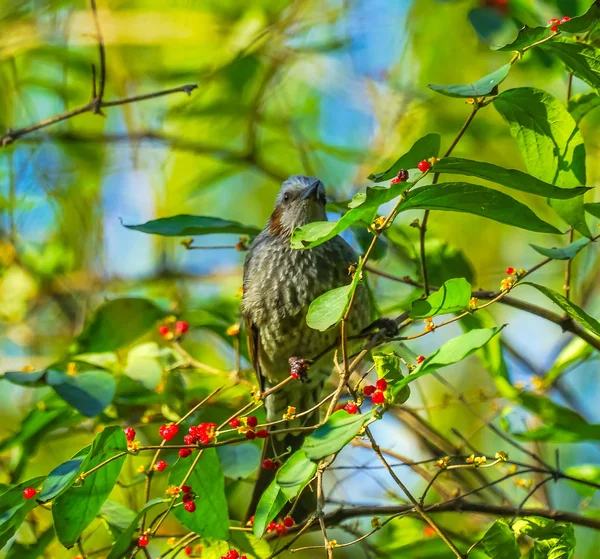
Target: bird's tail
279	448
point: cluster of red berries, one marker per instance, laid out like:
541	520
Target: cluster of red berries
269	464
351	407
180	328
299	368
247	425
129	433
233	554
376	392
281	527
204	433
555	22
167	432
402	176
29	493
188	498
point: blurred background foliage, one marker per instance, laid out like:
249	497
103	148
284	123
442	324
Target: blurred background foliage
332	88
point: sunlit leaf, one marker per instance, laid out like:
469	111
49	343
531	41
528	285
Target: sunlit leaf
567	253
582	104
271	502
499	541
452	296
526	36
550	143
424	148
77	507
576	351
506	177
588	472
488	85
336	433
211	517
533	526
478	200
191	225
582	59
585	22
387	366
593	209
295	474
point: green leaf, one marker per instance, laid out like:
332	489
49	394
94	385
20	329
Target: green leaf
76	508
238	461
582	59
143	365
453	296
506	177
336	433
329	308
561	546
453	351
211	517
575	312
593	209
14	508
250	544
117	516
526	36
26	378
271	502
424	148
567	253
34	550
124	542
295	474
588	472
550	143
63	476
499	542
576	351
90	392
116	324
387	366
533	526
478	200
191	225
582	104
585	22
488	85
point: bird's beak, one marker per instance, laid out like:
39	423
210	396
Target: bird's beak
311	190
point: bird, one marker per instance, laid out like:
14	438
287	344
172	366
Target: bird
279	284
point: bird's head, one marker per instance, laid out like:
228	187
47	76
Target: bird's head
301	200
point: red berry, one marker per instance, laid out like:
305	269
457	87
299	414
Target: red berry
143	541
267	464
351	408
181	327
281	529
288	521
160	465
163	330
368	390
564	19
235	423
129	433
167	432
262	433
185	452
271	526
187	497
188	550
424	166
252	421
232	554
190	506
402	176
250	435
186	488
29	493
381	384
189	439
378	397
553	20
510	271
420	359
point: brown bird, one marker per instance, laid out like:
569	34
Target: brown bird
279	285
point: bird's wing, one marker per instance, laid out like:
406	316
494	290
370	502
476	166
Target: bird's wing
253	341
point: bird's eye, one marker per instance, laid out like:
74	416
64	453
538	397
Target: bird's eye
286	197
